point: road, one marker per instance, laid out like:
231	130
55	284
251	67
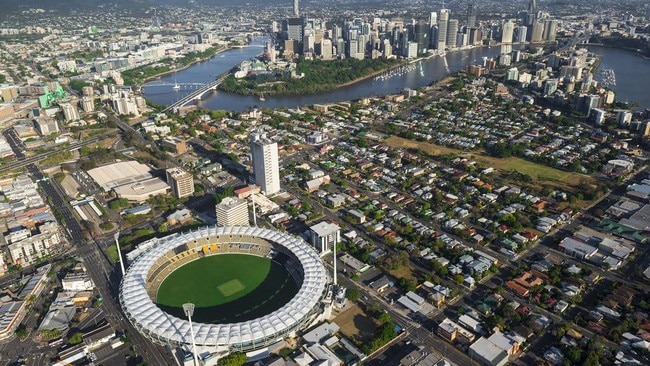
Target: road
23	161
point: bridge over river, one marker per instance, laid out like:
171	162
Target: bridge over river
197	94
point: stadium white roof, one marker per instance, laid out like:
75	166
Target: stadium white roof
151	320
117	174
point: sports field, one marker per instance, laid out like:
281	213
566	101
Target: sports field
227	288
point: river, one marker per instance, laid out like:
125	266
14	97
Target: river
632	77
632	74
418	75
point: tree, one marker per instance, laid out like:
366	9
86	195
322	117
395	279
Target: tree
163	228
306	206
352	294
76	338
233	359
573	354
21	332
385	318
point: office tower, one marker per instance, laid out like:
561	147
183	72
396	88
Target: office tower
550	30
324	236
520	34
411	50
537	33
340	47
433	37
326	49
295	28
452	29
232	211
461	39
474	36
507	32
531	14
296	12
387	49
532	7
422	37
337	32
308	41
353	46
265	163
181	182
471	15
442	29
433	19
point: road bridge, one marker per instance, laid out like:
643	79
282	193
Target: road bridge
197	94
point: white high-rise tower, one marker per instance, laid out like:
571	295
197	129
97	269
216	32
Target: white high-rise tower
296	11
266	166
443	21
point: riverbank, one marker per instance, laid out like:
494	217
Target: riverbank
635	51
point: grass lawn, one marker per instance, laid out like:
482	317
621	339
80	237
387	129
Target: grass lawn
112	253
541	172
227	288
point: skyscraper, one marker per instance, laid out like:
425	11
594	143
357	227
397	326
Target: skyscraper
520	34
550	30
232	211
265	163
471	15
537	32
433	19
295	28
452	30
296	11
422	36
532	12
507	31
442	29
181	182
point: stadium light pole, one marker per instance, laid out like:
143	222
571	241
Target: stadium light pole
334	263
119	252
188	308
252	189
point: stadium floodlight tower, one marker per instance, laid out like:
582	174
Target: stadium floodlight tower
252	190
119	253
188	308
